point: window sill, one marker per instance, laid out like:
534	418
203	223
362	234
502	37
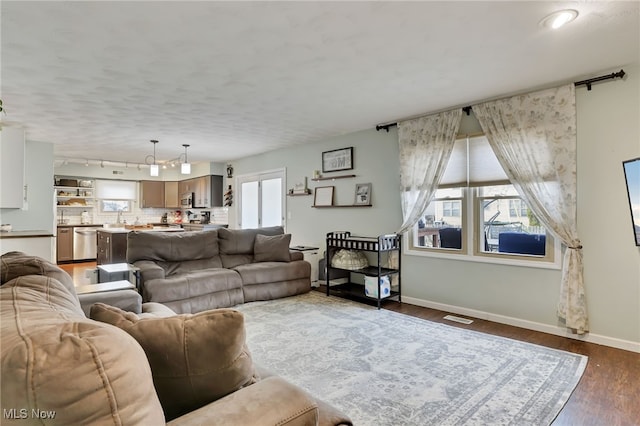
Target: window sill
555	265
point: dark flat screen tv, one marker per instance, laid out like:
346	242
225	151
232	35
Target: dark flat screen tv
632	177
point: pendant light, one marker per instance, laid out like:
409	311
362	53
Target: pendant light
185	168
154	170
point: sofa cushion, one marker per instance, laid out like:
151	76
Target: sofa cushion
272	248
195	359
236	245
272	272
191	284
172	246
56	359
15	264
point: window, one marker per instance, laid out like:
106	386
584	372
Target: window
112	206
116	195
477	212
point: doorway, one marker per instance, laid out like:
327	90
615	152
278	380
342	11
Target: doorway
261	199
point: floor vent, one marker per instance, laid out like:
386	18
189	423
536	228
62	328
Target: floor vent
458	319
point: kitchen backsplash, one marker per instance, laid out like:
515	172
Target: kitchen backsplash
73	216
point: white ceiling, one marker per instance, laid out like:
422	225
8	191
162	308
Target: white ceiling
100	79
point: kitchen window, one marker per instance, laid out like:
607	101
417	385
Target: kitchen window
116	195
477	214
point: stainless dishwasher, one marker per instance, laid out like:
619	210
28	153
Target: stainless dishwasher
85	242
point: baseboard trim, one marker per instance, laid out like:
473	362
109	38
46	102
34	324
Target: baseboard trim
599	339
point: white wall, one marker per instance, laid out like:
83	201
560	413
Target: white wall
608	133
39	179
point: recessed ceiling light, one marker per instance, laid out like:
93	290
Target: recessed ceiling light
559	18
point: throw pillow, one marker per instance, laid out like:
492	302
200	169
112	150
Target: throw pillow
272	248
195	359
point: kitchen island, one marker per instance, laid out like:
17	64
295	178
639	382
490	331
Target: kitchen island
112	242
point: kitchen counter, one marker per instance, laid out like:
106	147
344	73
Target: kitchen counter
154	229
34	242
70	225
26	234
202	226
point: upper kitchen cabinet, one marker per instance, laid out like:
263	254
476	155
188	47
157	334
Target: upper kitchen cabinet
171	195
216	191
152	193
12	171
208	192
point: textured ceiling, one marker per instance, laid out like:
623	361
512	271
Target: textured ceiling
100	79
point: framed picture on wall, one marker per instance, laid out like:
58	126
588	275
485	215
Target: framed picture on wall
338	159
363	194
323	196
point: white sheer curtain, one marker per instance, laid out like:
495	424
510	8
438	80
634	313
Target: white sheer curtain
425	147
534	138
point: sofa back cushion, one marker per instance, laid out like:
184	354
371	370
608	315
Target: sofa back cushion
16	264
195	358
171	247
54	359
272	248
236	245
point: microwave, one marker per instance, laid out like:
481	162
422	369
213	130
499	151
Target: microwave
186	200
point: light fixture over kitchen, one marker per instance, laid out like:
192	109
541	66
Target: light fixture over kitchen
154	170
185	168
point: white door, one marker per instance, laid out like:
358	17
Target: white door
261	199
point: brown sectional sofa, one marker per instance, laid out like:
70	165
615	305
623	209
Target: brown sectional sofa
195	271
60	367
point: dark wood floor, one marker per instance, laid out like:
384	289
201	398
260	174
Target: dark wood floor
608	393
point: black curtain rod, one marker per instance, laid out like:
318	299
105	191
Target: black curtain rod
588	82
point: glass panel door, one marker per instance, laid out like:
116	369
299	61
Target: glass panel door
249	203
262	199
271	195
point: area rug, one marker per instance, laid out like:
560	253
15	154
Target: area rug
385	368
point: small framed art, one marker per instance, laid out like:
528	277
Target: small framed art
363	194
323	196
338	159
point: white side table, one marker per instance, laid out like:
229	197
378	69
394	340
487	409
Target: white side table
311	255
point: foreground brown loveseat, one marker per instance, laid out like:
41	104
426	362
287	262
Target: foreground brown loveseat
194	271
60	367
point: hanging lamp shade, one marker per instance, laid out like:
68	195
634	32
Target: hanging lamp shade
185	168
154	169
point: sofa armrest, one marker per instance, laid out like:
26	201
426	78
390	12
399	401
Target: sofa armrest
127	300
149	270
296	255
269	402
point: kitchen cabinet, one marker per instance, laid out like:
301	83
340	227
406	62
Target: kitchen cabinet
187	185
64	244
216	191
171	195
152	193
201	196
112	247
207	190
12	146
